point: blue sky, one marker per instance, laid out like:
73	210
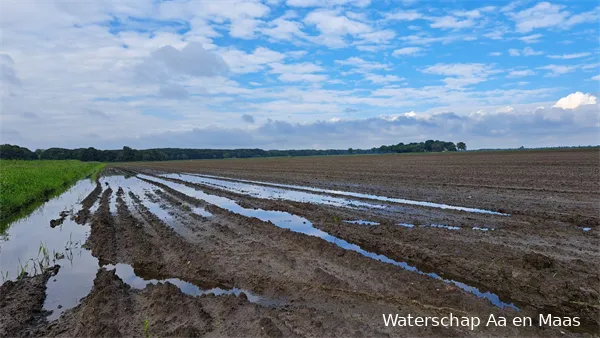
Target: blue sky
299	73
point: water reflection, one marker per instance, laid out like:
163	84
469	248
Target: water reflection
302	225
221	180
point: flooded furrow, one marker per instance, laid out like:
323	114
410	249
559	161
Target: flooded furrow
128	275
302	225
259	187
66	290
274	193
20	248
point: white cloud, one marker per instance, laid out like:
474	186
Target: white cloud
596	78
300	68
461	74
570	56
547	15
575	100
185	65
469	14
242	62
450	22
376	78
319	3
527	51
404	15
284	29
495	54
425	39
363	64
590	65
506	109
376	37
534	38
521	73
557	70
483	128
334	27
298	72
407	51
511	6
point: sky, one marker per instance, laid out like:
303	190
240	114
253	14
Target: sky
290	74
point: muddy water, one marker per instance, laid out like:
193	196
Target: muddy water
361	222
75	278
78	269
23	238
304	226
129	276
63	243
250	186
273	193
21	245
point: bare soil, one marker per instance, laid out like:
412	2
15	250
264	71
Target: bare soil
538	258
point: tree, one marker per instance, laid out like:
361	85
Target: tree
461	146
350	150
14	152
128	154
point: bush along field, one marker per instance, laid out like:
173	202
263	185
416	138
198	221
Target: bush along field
23	183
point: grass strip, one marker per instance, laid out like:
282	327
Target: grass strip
23	183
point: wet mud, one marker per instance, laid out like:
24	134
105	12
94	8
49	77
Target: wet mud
165	256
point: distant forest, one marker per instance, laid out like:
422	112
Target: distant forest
127	154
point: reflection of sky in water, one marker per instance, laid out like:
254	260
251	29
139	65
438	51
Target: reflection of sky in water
443	226
362	222
201	211
127	274
273	193
449	227
75	277
302	225
23	238
346	193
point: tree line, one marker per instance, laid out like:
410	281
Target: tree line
128	154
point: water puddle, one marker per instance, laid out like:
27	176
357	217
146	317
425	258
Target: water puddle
302	225
362	222
251	186
201	211
442	226
21	245
273	193
128	275
21	248
32	240
586	229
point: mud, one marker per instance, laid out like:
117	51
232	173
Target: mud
170	256
21	304
478	259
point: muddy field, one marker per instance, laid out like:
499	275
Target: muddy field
320	246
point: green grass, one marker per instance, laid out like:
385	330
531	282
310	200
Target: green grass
25	183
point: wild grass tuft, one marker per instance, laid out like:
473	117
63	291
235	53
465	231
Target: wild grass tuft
146	328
